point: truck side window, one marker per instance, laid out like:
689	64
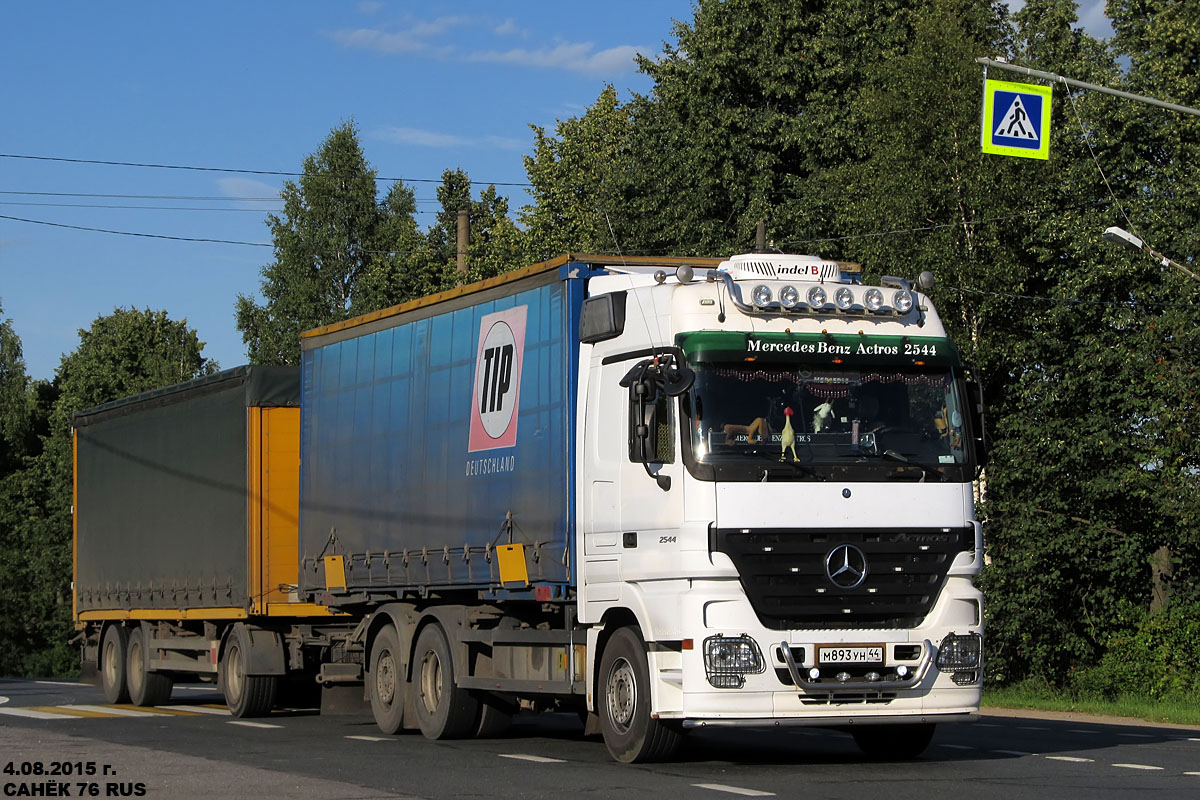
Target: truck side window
652	437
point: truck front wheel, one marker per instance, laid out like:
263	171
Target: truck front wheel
444	710
387	681
623	703
893	742
246	695
114	648
146	687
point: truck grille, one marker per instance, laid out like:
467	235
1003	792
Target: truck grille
784	575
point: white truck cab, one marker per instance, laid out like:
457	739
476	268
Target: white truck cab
775	511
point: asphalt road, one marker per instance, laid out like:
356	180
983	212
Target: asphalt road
194	749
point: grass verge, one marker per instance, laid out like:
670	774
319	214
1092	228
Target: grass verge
1177	710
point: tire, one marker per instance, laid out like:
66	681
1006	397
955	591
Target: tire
623	703
245	695
444	710
386	681
893	742
114	649
494	718
146	687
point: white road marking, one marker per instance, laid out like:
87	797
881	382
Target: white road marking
1136	766
28	712
720	787
538	759
116	712
1080	730
1013	752
63	683
1072	759
249	724
224	712
1031	728
1136	735
370	738
987	725
3	700
958	746
1191	773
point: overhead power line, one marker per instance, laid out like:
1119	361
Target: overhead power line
130	233
232	170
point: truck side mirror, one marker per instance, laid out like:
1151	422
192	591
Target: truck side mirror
651	432
976	409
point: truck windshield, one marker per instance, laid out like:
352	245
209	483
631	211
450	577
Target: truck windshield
750	421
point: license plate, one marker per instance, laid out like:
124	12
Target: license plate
850	654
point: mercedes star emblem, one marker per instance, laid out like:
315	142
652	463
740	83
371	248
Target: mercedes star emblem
846	566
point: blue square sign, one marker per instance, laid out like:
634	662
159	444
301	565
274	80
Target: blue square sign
1016	119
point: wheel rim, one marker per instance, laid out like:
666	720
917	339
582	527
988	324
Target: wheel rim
431	681
135	666
385	678
110	663
233	674
620	692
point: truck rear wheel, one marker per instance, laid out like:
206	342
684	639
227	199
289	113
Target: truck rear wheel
444	710
623	703
114	648
893	742
146	687
246	695
387	681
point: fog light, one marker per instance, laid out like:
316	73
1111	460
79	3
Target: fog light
817	297
762	295
843	676
902	301
959	652
789	296
873	299
844	298
901	671
814	674
965	678
729	659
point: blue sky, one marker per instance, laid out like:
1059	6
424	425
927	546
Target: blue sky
258	86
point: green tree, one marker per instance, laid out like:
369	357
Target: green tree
15	411
339	251
579	177
126	352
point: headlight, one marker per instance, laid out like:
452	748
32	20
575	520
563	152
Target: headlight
817	297
762	295
789	296
844	298
873	299
959	651
902	301
729	659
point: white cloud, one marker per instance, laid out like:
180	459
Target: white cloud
573	56
510	28
369	7
380	42
245	188
425	138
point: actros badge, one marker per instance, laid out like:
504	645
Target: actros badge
497	392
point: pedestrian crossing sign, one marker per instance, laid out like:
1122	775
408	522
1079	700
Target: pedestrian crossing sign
1016	119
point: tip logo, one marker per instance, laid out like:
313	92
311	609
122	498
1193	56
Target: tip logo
497	380
1016	119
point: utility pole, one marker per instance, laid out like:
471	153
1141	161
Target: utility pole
464	238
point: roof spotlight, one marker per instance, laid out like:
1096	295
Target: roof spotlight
817	297
789	296
762	295
844	298
873	299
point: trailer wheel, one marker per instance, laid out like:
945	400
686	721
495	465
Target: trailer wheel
387	681
113	650
623	703
246	695
146	687
444	710
893	742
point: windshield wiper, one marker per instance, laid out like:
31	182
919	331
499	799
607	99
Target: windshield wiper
797	467
891	455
